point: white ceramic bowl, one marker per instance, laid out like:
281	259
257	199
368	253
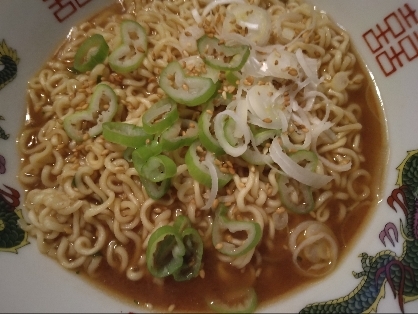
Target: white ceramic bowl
385	34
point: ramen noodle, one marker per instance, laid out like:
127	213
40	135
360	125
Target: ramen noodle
180	145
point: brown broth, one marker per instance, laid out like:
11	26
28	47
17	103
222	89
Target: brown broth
278	275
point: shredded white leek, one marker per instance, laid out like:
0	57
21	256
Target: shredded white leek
215	3
271	105
294	170
208	162
196	16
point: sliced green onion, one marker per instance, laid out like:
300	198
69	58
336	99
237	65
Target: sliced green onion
160	116
138	161
126	134
175	250
158	168
181	223
304	205
207	139
91	52
192	258
131	52
127	153
186	90
165	251
241	144
220	56
229	129
305	156
156	190
200	172
173	138
223	223
144	152
231	77
260	135
73	123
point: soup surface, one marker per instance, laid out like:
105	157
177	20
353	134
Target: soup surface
272	190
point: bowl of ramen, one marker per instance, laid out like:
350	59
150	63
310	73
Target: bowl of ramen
208	156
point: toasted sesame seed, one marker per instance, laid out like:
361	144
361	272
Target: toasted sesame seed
202	273
292	72
224	169
258	272
171	308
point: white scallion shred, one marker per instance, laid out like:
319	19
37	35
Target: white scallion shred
213	4
196	16
269	103
208	162
294	170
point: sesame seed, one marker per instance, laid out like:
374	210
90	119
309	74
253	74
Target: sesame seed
224	169
171	308
202	272
292	72
258	272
